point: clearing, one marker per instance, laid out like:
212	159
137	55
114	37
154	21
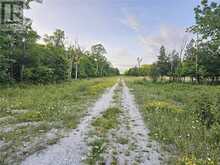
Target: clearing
109	121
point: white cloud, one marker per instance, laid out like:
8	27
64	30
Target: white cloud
132	22
122	58
169	36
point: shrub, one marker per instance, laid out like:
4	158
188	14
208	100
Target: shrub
206	110
41	74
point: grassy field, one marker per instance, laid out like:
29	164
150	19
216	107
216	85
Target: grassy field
32	116
184	118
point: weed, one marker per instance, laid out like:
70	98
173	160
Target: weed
183	117
102	125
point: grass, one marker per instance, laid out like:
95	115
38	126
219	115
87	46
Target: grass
102	125
184	118
100	129
107	121
59	106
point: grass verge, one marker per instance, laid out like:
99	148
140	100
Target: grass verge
183	117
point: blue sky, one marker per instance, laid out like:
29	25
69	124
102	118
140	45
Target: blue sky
127	28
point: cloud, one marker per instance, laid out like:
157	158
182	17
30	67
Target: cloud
170	36
122	58
130	20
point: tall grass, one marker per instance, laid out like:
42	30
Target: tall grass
183	117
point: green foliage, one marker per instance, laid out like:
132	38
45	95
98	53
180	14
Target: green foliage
207	28
30	116
107	121
41	74
207	20
162	63
144	70
133	72
102	125
4	68
51	62
154	73
207	109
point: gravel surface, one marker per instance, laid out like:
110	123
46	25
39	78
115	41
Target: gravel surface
71	149
130	143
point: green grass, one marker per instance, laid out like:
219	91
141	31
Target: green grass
59	106
102	125
107	121
184	118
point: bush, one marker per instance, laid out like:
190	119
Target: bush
206	110
41	74
154	73
3	69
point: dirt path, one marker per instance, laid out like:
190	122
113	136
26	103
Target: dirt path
130	144
145	151
70	150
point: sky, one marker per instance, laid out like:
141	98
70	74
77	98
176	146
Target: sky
127	28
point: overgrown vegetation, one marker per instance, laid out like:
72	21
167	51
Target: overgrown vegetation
29	111
184	117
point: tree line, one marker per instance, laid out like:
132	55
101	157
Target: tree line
199	59
23	59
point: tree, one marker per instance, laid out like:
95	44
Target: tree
98	52
154	72
163	63
56	40
77	54
145	69
207	20
49	62
174	62
207	28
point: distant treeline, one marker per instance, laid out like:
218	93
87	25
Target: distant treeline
23	59
199	59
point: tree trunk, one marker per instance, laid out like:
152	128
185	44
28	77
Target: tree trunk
97	69
70	70
102	71
76	73
22	73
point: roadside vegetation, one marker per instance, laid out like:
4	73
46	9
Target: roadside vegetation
183	117
30	112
